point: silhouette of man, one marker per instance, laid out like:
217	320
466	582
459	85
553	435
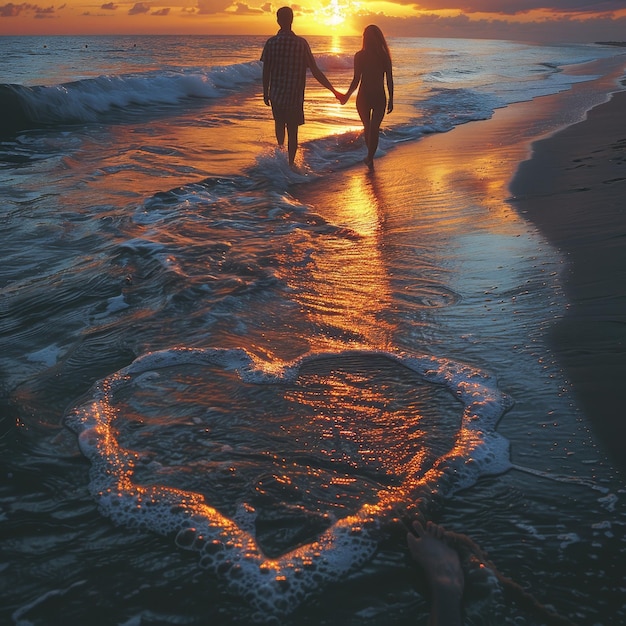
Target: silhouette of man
286	58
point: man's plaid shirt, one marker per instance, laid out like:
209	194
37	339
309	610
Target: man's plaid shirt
287	56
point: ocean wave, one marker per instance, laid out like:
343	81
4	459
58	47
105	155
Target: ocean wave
93	99
96	99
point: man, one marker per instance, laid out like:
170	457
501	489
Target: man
286	58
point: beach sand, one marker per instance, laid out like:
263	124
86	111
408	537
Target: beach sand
574	189
570	184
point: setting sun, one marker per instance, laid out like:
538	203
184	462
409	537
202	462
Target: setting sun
336	15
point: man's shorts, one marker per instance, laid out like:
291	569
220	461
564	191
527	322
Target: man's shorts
288	115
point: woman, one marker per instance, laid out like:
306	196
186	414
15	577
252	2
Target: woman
372	64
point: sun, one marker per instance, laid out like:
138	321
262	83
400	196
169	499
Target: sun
335	13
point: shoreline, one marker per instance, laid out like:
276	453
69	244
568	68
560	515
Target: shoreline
525	163
573	189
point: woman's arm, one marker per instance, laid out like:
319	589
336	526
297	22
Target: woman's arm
389	74
358	71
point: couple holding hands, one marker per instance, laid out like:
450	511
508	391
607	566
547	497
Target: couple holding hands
286	58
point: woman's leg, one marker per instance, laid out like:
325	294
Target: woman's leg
371	115
376	119
365	112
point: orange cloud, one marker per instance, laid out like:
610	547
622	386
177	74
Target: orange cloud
209	7
139	9
13	10
516	7
244	9
44	13
547	29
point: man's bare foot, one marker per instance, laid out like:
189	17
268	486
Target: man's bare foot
369	162
442	567
298	169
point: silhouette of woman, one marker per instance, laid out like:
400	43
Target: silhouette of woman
372	65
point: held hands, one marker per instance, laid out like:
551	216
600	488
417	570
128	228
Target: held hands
343	98
338	95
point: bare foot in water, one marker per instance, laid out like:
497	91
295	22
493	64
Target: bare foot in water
442	567
369	162
297	169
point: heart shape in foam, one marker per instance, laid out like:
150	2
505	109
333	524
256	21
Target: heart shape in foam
276	586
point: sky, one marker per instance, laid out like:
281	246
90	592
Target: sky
526	20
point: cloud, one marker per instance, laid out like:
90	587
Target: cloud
109	6
42	14
516	7
13	10
244	9
599	28
161	12
208	7
139	9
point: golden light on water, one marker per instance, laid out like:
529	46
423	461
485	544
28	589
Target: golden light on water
481	177
343	401
361	207
336	46
347	284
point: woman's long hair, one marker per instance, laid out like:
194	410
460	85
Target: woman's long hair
374	41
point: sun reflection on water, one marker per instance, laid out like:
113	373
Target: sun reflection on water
346	292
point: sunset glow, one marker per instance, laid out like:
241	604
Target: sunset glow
335	13
516	19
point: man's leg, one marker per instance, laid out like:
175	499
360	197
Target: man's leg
292	140
279	127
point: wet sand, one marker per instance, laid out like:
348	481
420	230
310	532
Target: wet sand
574	189
571	185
